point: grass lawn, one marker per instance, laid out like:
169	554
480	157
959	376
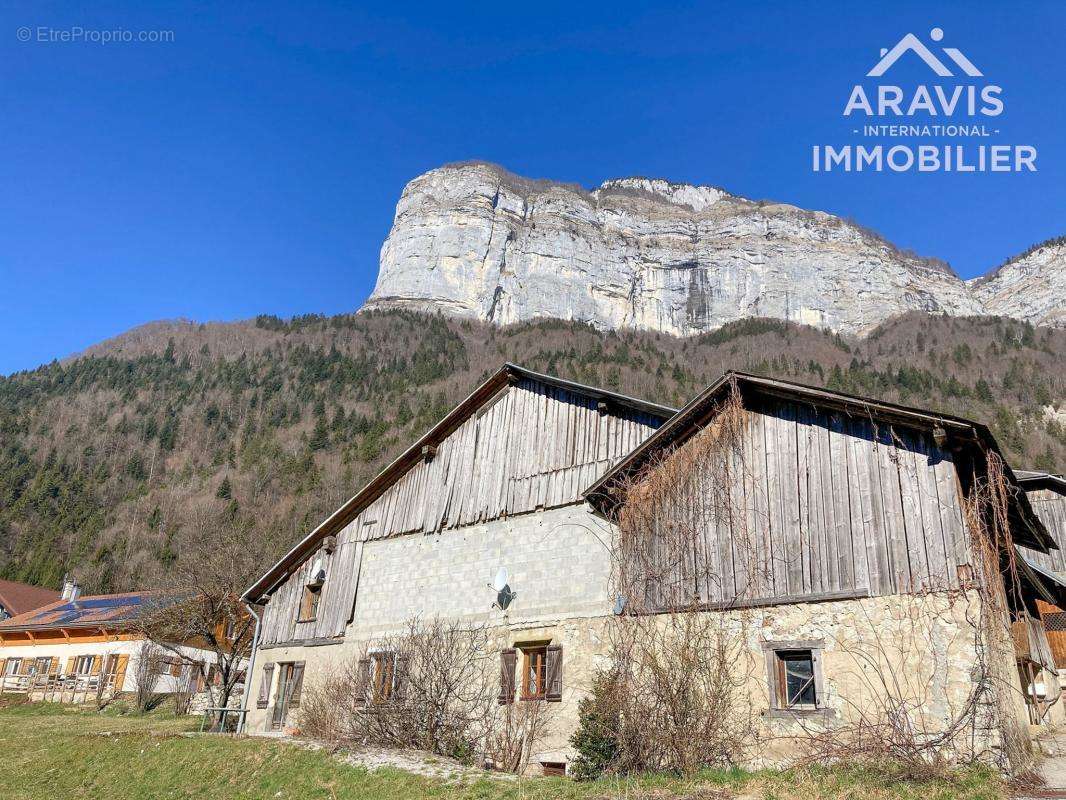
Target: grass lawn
53	751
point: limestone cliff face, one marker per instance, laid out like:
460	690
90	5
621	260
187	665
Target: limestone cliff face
1031	287
474	240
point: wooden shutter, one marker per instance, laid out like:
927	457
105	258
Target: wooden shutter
70	665
120	672
95	668
508	660
264	686
554	671
399	679
297	684
53	668
362	680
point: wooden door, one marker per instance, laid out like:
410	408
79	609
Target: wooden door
288	690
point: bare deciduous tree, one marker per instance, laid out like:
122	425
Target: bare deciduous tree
200	606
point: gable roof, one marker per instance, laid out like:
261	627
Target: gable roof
19	598
90	611
1029	530
1031	480
507	375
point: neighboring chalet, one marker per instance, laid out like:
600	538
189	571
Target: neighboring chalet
848	526
81	648
18	598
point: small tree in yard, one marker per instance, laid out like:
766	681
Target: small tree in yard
199	603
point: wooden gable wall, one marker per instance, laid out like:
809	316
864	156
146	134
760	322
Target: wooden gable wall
532	446
823	504
1050	506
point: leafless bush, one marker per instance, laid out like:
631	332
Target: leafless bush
183	692
682	692
681	673
515	734
146	677
430	688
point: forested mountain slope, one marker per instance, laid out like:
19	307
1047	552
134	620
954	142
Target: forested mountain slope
104	457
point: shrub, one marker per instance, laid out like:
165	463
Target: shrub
599	723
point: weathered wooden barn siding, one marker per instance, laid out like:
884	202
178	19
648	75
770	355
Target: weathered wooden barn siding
1050	506
823	503
532	446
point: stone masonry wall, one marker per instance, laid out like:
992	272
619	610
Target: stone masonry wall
924	647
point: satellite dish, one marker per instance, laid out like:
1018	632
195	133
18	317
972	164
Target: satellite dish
317	572
499	583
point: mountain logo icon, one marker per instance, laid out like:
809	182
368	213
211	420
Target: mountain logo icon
910	42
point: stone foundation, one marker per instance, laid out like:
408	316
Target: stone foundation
871	653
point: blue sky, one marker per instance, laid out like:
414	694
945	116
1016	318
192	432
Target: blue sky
252	164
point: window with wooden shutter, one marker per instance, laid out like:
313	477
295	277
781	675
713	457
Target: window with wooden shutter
309	604
362	678
120	672
508	662
553	689
384	674
297	684
399	687
264	687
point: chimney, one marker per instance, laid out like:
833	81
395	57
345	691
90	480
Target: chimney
71	590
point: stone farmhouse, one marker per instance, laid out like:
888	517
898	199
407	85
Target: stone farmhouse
850	552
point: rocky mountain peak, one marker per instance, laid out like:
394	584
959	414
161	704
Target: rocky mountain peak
478	241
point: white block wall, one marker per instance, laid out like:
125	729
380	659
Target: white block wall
557	560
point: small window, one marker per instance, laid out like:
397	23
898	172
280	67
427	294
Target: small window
534	672
795	679
554	769
12	667
309	606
